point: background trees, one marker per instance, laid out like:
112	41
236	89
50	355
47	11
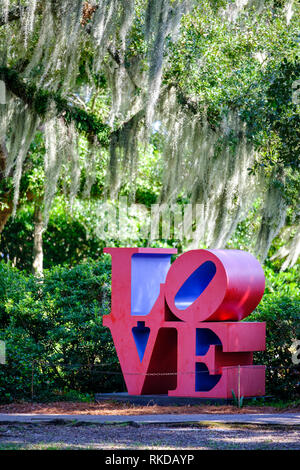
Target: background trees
209	85
56	342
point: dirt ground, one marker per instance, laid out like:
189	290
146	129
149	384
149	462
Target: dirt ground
36	436
76	435
113	408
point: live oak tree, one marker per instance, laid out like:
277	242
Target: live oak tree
218	77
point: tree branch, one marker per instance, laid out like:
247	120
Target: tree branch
40	101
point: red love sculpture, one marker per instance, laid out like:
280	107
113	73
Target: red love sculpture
176	327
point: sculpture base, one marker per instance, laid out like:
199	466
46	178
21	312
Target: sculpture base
162	400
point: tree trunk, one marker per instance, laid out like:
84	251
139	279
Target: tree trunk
37	264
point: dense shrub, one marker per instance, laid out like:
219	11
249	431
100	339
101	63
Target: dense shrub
280	309
54	334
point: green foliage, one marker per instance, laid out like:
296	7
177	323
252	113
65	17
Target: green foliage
53	331
236	401
55	340
280	309
274	125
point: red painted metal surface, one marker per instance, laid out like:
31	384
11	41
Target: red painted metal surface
191	342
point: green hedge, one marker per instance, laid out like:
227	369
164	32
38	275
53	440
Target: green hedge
56	343
54	334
